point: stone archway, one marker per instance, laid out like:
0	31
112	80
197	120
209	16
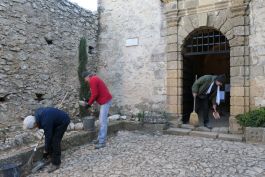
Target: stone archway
206	51
231	18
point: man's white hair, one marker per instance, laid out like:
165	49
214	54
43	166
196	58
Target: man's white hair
29	122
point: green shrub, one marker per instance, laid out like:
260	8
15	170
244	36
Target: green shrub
255	118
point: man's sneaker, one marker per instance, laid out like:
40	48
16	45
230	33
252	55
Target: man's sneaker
100	145
52	168
95	141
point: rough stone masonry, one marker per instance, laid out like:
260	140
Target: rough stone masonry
39	54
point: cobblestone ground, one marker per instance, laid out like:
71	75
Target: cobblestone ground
139	154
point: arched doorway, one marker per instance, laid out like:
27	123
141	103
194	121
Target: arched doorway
206	52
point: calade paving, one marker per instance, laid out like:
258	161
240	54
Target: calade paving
137	154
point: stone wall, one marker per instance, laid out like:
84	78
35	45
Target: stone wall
257	51
39	54
135	71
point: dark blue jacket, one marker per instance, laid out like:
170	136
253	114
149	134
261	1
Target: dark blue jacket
48	119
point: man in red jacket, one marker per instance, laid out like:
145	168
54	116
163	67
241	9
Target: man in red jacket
100	94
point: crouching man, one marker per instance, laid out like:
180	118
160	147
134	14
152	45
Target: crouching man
54	122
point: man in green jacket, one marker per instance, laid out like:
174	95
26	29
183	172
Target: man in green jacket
205	89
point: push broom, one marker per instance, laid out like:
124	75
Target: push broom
194	119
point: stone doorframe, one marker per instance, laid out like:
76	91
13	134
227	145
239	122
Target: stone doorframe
231	17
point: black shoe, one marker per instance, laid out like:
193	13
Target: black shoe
207	126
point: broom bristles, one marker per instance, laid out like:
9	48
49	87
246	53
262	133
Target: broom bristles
194	119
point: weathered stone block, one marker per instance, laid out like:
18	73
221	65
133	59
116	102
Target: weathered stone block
172	56
241	30
238	21
237	81
172	83
239	101
227	26
237	61
237	91
171	39
235	110
237	51
191	3
238	41
171	90
257	71
172	108
254	134
257	91
187	25
172	48
203	19
182	32
172	74
172	99
234	127
236	71
206	2
172	30
220	20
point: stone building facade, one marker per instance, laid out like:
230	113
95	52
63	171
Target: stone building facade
151	69
143	51
39	54
132	54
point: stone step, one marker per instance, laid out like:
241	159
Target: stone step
174	124
204	134
177	131
231	137
187	126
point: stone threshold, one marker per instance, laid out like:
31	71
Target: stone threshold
203	132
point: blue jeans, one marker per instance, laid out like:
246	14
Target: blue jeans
103	122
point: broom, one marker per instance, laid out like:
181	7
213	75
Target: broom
194	119
26	169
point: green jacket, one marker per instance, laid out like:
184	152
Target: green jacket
201	86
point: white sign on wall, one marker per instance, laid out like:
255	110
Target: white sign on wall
131	42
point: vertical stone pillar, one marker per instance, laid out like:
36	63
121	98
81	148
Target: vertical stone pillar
239	63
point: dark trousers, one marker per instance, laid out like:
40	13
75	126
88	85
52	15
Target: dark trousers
202	104
55	149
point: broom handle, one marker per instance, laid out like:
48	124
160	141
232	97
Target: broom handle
35	148
194	98
59	106
194	102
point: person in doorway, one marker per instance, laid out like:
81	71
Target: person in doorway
54	122
99	93
205	89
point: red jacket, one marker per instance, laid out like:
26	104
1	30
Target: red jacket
99	91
